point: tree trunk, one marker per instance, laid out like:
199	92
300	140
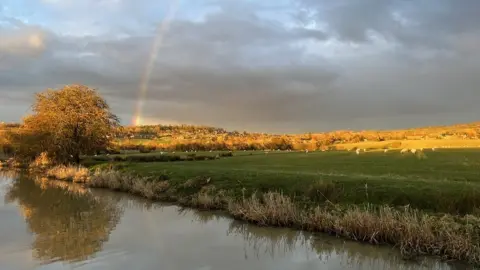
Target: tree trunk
76	138
76	158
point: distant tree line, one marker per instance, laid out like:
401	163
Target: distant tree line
185	138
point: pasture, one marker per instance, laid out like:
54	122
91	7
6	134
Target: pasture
445	180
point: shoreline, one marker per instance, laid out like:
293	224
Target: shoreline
413	232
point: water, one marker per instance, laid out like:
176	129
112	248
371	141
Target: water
54	225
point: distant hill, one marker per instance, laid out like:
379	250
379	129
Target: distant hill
185	137
190	137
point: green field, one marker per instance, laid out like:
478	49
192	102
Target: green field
446	180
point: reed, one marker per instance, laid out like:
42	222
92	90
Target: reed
69	173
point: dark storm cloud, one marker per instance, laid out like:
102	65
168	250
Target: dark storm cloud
238	69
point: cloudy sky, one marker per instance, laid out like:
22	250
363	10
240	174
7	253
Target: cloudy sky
270	65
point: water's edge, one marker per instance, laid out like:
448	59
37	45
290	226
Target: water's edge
35	198
207	198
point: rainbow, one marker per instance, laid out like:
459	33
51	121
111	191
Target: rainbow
157	42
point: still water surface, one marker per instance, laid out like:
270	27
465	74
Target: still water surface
54	225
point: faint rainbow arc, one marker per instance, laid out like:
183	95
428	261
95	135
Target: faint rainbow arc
143	88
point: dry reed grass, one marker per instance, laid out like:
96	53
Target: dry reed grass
209	198
69	173
142	186
269	209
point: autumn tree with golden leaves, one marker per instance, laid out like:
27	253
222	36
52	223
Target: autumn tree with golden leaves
67	123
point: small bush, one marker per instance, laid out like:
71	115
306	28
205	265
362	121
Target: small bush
114	152
227	154
42	161
146	148
119	158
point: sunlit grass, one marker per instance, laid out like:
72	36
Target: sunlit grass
372	177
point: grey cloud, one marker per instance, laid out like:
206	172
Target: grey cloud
419	23
238	70
20	43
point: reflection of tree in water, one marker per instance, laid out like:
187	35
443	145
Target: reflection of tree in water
68	224
8	174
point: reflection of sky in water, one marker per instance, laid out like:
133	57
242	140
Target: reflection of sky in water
163	238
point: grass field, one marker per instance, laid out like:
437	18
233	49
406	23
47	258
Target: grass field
447	143
446	180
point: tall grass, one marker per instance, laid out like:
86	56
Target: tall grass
69	173
143	186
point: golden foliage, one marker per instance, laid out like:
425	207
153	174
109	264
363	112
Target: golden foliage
69	173
187	138
66	123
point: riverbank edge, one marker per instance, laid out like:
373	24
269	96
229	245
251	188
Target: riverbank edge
413	232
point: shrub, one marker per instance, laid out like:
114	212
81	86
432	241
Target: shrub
41	161
146	148
227	154
119	158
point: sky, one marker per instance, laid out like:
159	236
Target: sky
284	66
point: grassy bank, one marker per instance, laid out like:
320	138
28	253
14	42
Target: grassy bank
414	232
444	180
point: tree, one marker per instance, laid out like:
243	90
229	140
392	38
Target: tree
67	123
